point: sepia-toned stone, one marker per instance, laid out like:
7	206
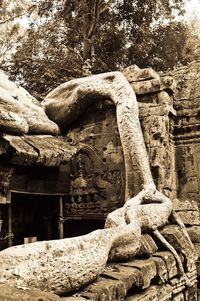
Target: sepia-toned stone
12	293
133	74
21	113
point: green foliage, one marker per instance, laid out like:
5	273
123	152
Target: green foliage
110	34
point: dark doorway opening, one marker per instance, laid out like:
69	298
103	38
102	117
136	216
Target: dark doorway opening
34	217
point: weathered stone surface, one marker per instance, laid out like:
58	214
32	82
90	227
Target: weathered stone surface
198	267
169	261
191	293
190	218
148	246
20	112
185	205
146	212
105	289
164	292
186	78
194	233
38	149
147	268
154	293
153	85
197	249
148	295
179	239
175	235
11	293
179	297
161	268
129	276
133	73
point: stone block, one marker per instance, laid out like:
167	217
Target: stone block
147	99
190	218
198	267
169	261
147	268
153	85
185	205
11	293
161	268
175	236
164	98
197	249
148	245
164	292
133	73
105	289
178	285
129	276
194	233
149	294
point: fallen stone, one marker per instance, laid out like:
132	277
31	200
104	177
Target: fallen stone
164	98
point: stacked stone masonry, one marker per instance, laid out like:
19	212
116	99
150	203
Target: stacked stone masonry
153	276
171	153
169	115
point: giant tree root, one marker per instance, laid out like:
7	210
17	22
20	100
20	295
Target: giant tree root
65	265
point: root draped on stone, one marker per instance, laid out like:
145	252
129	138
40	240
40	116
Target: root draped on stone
65	265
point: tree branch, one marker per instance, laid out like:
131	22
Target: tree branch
12	18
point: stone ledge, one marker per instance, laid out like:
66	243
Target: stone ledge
10	293
170	262
185	205
147	267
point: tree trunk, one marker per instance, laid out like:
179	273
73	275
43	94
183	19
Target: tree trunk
87	49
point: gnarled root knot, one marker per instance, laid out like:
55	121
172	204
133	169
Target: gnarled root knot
147	211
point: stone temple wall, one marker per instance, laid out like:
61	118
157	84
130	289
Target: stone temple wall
169	115
187	130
